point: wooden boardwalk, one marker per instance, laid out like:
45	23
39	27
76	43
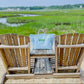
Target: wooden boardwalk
46	81
43	66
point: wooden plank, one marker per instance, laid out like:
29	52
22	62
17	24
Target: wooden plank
9	42
67	68
27	46
6	51
42	66
80	53
42	56
62	42
0	41
74	41
56	61
17	68
15	42
42	52
13	47
64	67
32	76
21	40
68	42
67	75
57	42
78	49
61	56
53	46
81	59
3	57
27	40
71	46
29	60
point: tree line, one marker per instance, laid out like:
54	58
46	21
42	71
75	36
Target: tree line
44	7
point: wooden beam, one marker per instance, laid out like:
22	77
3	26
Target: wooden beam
20	46
29	60
31	76
43	56
17	51
70	46
6	51
56	61
17	68
67	67
19	76
23	53
27	46
66	75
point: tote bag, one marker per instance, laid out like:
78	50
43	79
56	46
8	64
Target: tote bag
42	41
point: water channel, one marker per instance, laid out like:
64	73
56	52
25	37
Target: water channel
4	20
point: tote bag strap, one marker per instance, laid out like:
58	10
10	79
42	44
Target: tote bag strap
41	30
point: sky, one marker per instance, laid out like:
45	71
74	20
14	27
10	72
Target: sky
28	3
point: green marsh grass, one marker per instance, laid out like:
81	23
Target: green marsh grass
57	22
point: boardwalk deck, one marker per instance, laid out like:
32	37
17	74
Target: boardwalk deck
42	66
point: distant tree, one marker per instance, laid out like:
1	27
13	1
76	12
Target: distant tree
43	7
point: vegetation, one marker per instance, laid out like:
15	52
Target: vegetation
8	15
57	22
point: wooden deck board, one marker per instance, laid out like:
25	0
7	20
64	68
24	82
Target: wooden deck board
72	51
68	42
9	42
42	66
55	75
62	50
15	42
78	50
23	53
7	51
46	81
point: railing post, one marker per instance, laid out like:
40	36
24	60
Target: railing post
56	61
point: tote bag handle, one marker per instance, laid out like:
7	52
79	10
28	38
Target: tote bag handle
41	30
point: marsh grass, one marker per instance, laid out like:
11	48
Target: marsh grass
57	22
